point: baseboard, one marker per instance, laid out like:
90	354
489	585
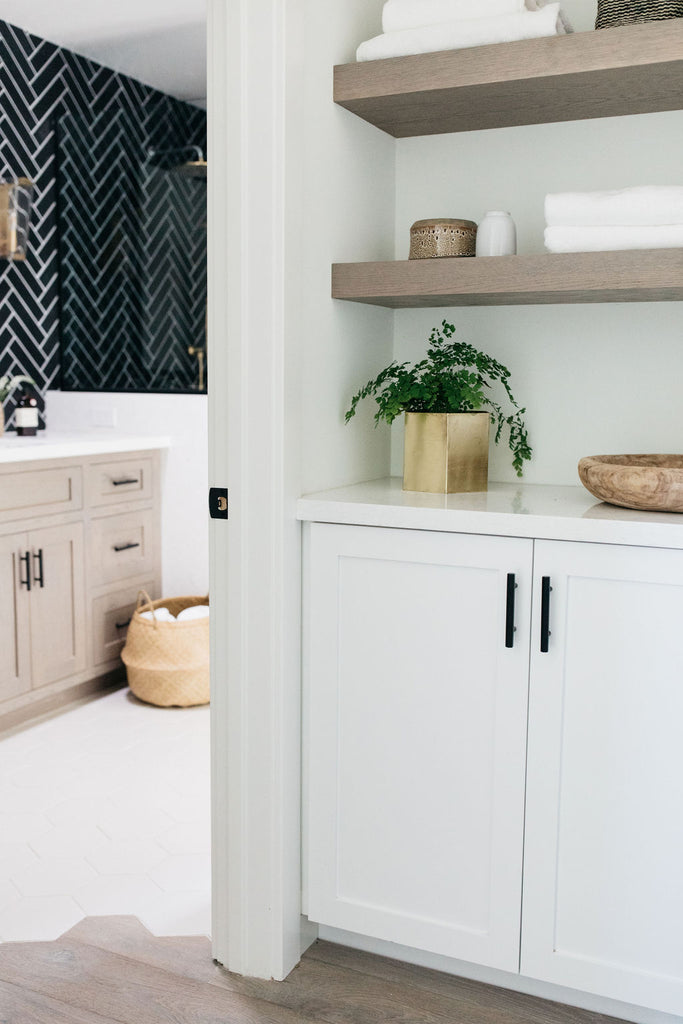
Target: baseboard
502	979
38	710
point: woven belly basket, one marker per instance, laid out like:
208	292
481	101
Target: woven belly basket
634	12
168	662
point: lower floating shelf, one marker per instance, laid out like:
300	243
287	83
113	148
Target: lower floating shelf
645	275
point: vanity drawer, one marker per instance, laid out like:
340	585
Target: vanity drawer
122	546
110	617
111	482
30	493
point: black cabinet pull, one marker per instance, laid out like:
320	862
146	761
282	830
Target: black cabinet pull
25	559
122	625
122	483
546	591
510	611
124	547
39	577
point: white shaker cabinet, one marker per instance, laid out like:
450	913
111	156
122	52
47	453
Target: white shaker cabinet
417	713
603	878
416	723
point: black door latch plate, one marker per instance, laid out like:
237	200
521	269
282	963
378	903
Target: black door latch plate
218	502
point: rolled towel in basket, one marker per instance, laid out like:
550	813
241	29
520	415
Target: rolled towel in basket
458	35
644	205
399	15
159	614
611	237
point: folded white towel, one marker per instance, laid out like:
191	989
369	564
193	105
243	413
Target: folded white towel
537	5
612	237
399	15
456	35
644	205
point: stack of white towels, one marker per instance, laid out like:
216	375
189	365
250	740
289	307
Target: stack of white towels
646	217
425	26
196	611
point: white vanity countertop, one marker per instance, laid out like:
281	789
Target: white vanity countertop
511	510
48	444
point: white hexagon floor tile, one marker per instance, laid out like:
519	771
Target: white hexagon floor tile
104	809
51	916
183	873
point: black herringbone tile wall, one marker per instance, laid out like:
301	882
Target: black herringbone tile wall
127	238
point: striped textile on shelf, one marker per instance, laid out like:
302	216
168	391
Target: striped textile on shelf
632	12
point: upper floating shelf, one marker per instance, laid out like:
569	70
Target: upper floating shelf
633	69
651	275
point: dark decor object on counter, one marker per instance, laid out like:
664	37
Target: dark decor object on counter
650	483
432	239
634	12
455	378
7	386
26	412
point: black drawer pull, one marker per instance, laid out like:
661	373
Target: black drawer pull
124	547
510	627
122	483
25	560
122	625
546	591
39	577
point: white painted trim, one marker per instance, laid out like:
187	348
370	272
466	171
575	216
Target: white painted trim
255	557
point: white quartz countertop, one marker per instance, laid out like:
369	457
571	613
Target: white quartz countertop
49	444
511	510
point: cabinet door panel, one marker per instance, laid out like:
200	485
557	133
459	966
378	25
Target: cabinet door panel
58	629
603	889
14	622
417	739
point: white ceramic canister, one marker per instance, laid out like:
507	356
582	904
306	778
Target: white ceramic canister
497	235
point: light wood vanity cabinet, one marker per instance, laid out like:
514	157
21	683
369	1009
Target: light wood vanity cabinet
78	539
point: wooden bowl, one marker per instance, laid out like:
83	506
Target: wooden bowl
652	483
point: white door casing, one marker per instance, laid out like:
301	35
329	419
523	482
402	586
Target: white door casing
255	556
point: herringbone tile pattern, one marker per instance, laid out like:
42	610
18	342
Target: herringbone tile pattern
132	237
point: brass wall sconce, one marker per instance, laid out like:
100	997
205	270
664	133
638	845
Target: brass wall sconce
16	198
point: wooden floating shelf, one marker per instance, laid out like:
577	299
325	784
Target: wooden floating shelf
651	275
633	69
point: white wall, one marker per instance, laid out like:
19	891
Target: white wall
345	213
182	418
595	379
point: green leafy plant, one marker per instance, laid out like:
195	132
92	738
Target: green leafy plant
8	384
455	377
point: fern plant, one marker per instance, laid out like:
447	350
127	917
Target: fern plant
454	377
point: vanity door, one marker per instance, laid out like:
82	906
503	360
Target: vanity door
15	647
416	702
58	626
603	878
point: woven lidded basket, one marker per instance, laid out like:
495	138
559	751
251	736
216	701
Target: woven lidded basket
168	662
431	239
634	12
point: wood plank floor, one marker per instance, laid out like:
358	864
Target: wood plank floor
110	970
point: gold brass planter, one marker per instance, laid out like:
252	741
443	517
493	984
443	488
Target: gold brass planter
446	452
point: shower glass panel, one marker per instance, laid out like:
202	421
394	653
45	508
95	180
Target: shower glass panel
132	244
